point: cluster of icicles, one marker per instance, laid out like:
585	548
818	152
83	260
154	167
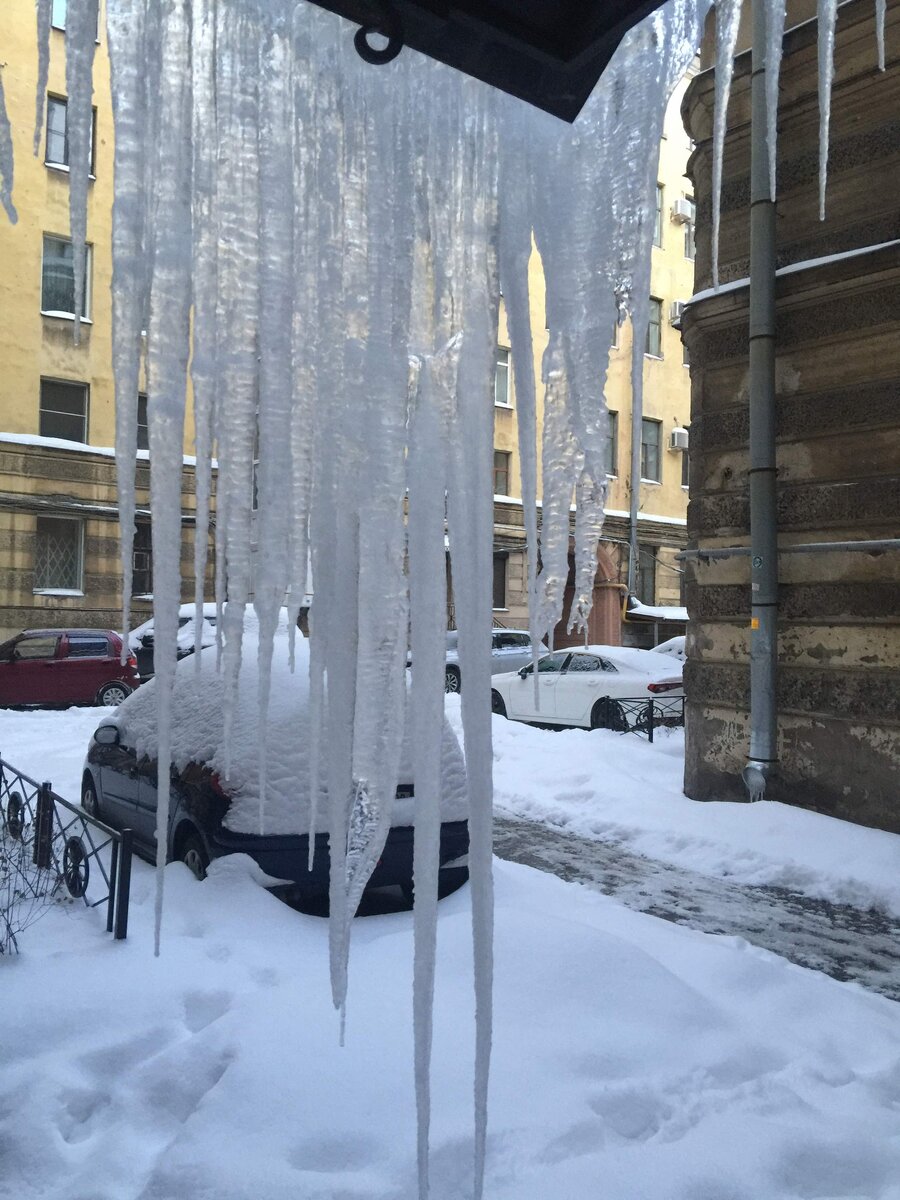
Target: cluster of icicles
320	246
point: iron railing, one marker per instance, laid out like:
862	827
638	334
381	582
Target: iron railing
642	716
47	844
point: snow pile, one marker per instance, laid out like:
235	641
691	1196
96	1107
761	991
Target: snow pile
198	735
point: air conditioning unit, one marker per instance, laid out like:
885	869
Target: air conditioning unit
682	210
678	439
676	308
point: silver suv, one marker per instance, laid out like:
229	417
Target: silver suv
510	651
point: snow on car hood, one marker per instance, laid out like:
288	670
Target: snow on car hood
198	736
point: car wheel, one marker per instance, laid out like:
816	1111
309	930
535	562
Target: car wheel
497	705
451	680
112	694
192	853
89	801
607	714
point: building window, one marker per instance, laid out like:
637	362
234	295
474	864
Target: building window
685	465
58	555
501	473
654	329
500	580
58	14
64	410
690	250
501	379
56	152
58	279
658	222
650	460
142	560
143	429
612	443
646	574
614	344
685	357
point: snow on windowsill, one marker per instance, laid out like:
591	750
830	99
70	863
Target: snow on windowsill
663	612
56	592
63	167
505	407
618	512
50	443
653	482
64	316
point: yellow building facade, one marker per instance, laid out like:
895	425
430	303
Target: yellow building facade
59	531
662	497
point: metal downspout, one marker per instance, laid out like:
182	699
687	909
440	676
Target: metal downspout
763	756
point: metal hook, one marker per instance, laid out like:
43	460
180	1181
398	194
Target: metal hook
389	25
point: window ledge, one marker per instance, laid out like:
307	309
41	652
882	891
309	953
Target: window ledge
507	407
655	357
685	488
499	610
64	316
654	482
57	592
63	168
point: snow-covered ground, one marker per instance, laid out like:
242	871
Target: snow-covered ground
620	788
633	1059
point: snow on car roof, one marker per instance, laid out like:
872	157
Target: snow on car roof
198	736
646	662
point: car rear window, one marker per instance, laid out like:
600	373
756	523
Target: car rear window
88	647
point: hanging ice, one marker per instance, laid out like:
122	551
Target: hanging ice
728	20
827	16
324	244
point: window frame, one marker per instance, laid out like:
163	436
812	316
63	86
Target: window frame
505	469
690	228
56	164
85	389
647	554
658	221
612	443
657	424
507	364
62	314
146	572
686	464
39	589
655	307
500	574
143	425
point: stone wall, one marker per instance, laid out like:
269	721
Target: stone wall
838	430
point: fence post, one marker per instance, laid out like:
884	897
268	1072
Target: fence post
651	719
113	884
123	885
43	833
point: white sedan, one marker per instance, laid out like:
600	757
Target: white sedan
574	685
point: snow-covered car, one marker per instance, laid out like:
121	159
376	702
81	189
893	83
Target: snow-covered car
215	811
140	640
575	685
510	651
674	647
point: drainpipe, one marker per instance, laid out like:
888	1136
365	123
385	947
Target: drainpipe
763	757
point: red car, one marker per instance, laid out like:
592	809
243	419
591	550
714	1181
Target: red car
65	666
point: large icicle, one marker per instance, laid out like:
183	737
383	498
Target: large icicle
827	16
6	159
880	13
43	14
775	11
81	39
728	20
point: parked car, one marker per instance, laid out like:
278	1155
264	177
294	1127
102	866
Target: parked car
211	815
674	647
66	666
575	685
510	650
141	639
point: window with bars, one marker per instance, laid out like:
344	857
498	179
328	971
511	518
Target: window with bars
58	551
58	279
500	580
502	395
56	152
654	328
612	443
646	574
142	560
650	444
658	221
501	472
64	410
143	429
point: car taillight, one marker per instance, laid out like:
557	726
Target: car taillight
665	685
215	783
131	661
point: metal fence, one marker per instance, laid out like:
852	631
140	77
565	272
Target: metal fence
642	716
47	846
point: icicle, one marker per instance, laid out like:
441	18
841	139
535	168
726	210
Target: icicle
43	13
880	13
125	31
6	160
775	10
827	16
81	38
728	20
